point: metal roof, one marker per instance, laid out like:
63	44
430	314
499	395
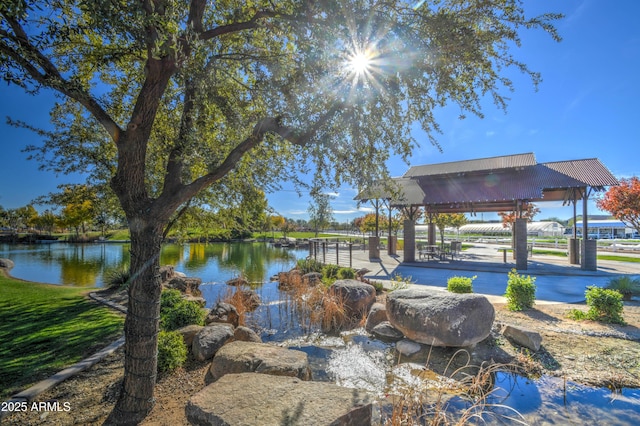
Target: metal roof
469	166
492	184
589	171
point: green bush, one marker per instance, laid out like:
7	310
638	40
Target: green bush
172	352
169	298
330	271
625	285
118	278
309	265
175	312
605	305
460	284
346	273
378	286
576	314
521	291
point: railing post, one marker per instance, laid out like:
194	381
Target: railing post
350	255
324	252
338	253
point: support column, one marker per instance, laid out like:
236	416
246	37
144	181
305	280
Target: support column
409	240
589	255
374	248
431	234
573	244
520	246
393	242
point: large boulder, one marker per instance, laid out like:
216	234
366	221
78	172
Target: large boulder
523	336
6	264
223	312
238	282
210	339
166	273
188	285
246	357
312	279
377	314
441	318
262	399
189	333
386	331
356	296
245	334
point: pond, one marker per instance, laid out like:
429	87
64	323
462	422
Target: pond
86	265
350	358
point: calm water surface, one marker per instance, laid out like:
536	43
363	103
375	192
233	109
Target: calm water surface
351	359
85	265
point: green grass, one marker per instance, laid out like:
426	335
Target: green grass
600	256
301	235
45	328
119	235
619	258
550	252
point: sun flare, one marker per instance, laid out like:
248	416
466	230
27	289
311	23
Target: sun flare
360	63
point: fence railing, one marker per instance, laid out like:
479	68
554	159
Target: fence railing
335	251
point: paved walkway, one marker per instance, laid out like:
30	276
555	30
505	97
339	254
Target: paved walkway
556	280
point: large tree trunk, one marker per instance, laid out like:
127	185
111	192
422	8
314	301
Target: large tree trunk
141	325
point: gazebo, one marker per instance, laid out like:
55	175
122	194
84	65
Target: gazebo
496	184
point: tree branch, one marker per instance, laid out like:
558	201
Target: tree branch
179	195
237	26
44	72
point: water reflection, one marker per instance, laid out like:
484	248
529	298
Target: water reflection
86	264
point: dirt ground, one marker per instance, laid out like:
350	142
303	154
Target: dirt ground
583	352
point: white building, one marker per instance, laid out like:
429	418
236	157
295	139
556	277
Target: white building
538	229
606	229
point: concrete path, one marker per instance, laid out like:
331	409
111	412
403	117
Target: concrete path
556	280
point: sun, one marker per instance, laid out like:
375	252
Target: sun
359	63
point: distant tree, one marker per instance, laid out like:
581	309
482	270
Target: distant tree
396	223
4	218
368	223
288	227
445	220
76	215
78	204
320	212
277	222
528	211
21	218
46	221
623	202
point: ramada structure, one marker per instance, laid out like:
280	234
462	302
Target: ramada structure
496	184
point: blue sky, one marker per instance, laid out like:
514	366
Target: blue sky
586	106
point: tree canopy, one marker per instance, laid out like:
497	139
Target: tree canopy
623	202
172	101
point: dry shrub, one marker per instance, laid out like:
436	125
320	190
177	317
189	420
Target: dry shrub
316	306
330	310
426	404
235	296
526	365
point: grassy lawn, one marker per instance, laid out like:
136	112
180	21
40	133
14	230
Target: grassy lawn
619	258
45	328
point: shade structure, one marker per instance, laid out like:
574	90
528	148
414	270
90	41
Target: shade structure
491	184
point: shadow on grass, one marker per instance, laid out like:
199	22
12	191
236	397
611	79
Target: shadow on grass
41	334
